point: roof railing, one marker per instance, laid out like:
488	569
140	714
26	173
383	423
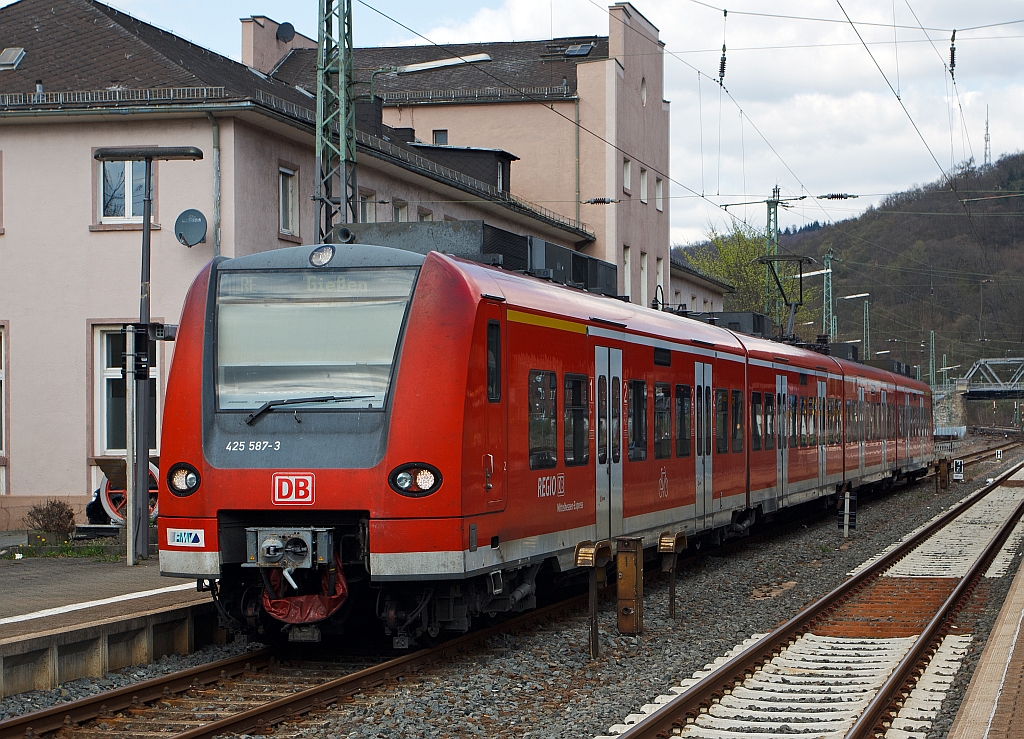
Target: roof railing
482	93
113	95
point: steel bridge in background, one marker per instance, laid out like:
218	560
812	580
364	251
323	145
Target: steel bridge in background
993	379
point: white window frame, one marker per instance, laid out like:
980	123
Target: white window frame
659	275
424	215
659	193
101	376
627	173
400	211
290	207
367	206
129	183
643	185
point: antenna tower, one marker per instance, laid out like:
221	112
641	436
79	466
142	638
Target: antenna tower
335	192
988	142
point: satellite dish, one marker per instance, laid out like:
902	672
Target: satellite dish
190	227
285	32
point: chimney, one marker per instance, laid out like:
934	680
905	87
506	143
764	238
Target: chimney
265	42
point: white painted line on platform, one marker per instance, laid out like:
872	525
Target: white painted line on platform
94	603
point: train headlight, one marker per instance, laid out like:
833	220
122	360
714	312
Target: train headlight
415	479
183	479
322	255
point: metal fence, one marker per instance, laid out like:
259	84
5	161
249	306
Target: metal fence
562	92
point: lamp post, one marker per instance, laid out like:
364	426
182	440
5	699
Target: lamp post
136	365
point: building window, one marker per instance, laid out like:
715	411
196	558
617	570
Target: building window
659	275
289	186
577	421
400	211
543	400
110	410
636	421
123	189
1	218
367	207
643	91
423	214
440	137
627	170
501	176
659	193
643	185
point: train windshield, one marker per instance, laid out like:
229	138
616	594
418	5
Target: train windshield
309	334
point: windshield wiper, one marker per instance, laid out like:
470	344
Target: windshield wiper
251	418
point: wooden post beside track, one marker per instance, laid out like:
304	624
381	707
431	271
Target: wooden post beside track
596	557
670	546
629	565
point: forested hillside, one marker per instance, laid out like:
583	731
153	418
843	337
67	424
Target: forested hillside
932	259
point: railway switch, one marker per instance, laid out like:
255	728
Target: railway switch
629	563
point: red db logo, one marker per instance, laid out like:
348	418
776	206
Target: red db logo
293	489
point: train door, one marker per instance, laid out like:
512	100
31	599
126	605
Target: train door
884	425
861	426
821	431
608	460
782	447
496	411
705	413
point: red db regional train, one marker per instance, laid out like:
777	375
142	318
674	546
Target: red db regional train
352	428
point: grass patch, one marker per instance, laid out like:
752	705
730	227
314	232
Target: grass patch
96	552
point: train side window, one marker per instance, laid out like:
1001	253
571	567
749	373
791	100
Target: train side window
636	421
602	420
803	420
755	422
683	420
769	421
577	421
707	420
493	361
700	422
721	421
794	421
616	405
737	420
543	388
662	421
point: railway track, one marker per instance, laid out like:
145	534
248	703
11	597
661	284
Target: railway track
875	654
250	693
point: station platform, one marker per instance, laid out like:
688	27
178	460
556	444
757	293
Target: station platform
64	618
994	701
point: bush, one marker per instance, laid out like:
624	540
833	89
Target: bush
55	516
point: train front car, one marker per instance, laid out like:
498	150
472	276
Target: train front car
290	434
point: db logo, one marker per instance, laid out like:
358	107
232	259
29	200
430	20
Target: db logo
293	489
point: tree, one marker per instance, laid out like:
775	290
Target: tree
732	258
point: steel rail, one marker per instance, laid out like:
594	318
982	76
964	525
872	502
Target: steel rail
879	707
274	712
94	706
702	694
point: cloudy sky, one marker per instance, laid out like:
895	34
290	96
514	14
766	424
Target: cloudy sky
806	107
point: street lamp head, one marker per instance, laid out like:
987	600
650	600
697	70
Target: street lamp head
851	297
142	153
